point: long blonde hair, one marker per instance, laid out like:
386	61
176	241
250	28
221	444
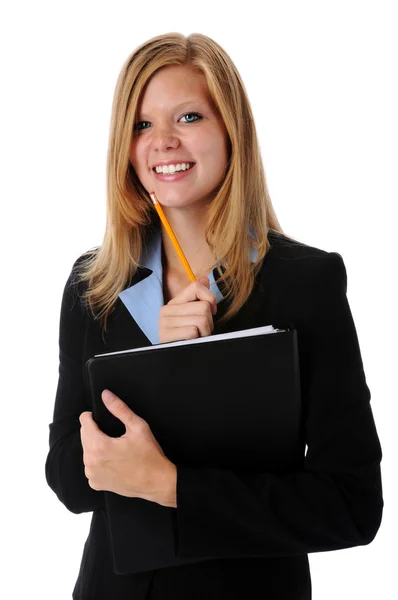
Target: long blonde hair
241	203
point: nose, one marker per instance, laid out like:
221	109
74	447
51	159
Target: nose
163	139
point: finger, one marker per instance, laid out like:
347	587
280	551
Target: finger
203	323
173	316
185	314
85	418
200	307
120	409
205	281
179	333
194	291
90	426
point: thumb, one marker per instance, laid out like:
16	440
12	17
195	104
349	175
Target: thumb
205	281
119	408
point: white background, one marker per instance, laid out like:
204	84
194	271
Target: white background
322	81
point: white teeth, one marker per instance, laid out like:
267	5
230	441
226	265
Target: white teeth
170	169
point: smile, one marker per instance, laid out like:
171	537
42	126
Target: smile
173	176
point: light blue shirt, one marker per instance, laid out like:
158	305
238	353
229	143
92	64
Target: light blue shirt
144	299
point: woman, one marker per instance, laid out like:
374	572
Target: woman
182	127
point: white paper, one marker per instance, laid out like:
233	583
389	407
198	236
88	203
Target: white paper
265	329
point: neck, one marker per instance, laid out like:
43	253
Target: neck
188	227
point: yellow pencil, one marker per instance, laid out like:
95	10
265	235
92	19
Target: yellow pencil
172	237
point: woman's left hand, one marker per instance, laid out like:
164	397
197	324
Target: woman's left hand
133	465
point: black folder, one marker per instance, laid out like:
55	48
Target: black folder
229	401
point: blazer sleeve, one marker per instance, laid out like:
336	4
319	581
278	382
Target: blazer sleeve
335	501
64	467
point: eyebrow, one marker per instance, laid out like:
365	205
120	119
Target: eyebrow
185	103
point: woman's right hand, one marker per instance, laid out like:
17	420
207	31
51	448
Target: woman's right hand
190	314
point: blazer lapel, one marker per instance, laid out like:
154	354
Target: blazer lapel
144	299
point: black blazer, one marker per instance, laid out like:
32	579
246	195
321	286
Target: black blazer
334	501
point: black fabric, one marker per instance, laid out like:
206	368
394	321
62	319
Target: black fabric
334	502
235	579
189	400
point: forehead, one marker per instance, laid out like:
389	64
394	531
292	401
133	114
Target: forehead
172	85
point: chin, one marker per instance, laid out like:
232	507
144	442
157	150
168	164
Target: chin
175	199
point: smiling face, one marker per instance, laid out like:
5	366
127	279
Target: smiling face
177	123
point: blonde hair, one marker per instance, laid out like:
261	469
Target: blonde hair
242	201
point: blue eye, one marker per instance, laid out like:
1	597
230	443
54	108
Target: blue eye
137	126
190	114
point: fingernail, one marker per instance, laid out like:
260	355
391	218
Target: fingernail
107	396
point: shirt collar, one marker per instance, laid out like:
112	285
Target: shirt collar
144	299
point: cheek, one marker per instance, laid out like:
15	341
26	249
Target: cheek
217	155
137	156
217	144
133	155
